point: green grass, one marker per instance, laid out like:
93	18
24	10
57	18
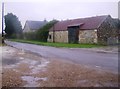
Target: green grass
66	45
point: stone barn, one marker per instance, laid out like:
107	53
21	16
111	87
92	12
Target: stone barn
31	26
98	30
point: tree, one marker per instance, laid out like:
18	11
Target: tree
42	33
13	25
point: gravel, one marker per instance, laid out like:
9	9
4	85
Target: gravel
29	70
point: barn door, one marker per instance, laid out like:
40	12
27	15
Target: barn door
73	34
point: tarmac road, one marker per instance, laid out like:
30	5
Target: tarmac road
104	61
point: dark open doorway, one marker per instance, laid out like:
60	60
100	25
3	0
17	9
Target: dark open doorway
73	34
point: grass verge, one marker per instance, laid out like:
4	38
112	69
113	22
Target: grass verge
66	45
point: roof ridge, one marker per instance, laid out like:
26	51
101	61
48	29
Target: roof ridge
86	18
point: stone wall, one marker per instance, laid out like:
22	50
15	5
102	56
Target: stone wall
107	34
88	36
50	37
60	36
85	36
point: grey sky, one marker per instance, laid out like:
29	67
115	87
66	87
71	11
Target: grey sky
60	9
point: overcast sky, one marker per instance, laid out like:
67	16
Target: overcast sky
60	9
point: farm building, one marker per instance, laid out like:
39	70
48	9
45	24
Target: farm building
99	29
31	26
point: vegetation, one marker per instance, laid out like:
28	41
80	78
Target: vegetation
29	36
13	26
42	33
66	45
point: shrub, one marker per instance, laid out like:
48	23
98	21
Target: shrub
29	36
42	34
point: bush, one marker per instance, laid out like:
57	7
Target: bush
29	36
42	34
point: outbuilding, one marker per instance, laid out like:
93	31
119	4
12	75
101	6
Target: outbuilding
98	30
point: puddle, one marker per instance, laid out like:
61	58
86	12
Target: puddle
34	66
97	66
39	67
32	81
83	81
43	79
22	52
98	85
111	84
8	61
10	66
8	51
21	58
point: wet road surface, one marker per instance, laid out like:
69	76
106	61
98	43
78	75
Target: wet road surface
104	61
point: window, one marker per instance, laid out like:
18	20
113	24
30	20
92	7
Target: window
49	36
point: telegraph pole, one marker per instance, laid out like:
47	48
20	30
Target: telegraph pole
2	22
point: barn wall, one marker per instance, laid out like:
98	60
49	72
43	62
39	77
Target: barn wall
88	36
107	34
50	34
85	36
60	36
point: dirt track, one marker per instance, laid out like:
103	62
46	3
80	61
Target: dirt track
22	68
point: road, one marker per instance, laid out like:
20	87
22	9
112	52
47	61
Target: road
104	61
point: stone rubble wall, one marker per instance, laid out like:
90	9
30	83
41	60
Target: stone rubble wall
85	36
88	36
60	36
107	34
50	39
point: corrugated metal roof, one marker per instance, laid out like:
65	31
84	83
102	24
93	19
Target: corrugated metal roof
35	25
88	23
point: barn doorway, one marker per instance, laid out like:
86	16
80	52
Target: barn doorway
73	34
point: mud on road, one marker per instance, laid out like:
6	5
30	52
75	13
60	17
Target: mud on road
25	69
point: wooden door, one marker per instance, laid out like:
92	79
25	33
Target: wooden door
73	33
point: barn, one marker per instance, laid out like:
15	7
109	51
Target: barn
95	30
